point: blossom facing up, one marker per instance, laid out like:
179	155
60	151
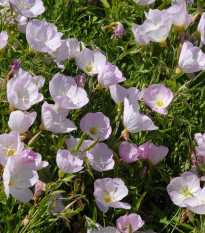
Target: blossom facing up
90	61
201	28
133	120
128	152
144	2
109	75
158	97
66	93
200	140
43	36
180	188
180	17
191	59
118	29
22	92
100	157
21	121
67	162
154	153
108	193
54	119
139	34
10	145
28	8
96	125
18	176
134	220
3	40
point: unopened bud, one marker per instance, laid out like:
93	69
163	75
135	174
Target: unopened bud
125	134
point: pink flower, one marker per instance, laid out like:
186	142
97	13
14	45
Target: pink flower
118	29
109	75
201	28
67	162
154	153
54	119
100	157
128	152
21	23
66	93
90	61
108	193
180	188
3	39
80	80
200	139
191	59
96	125
28	8
158	97
10	144
21	121
134	220
42	36
139	34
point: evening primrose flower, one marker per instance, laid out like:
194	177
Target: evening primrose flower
139	32
3	40
22	92
180	17
133	120
191	59
54	119
118	29
100	157
43	36
96	125
180	188
90	61
200	139
128	152
18	176
66	93
28	8
144	2
67	162
201	28
109	75
10	145
80	80
134	220
21	121
158	97
108	193
21	23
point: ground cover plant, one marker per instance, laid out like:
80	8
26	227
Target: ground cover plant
102	125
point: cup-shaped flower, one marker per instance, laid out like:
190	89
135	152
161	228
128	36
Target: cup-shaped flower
201	28
128	152
28	8
154	153
144	2
196	204
43	36
96	125
109	75
200	139
108	193
21	23
180	188
3	40
71	143
158	97
10	144
67	162
22	92
18	176
180	17
191	59
80	80
139	34
100	157
133	120
54	119
90	61
21	121
66	93
118	29
134	220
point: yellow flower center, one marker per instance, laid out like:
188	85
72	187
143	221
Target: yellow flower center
108	197
89	68
159	103
9	150
93	131
186	192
